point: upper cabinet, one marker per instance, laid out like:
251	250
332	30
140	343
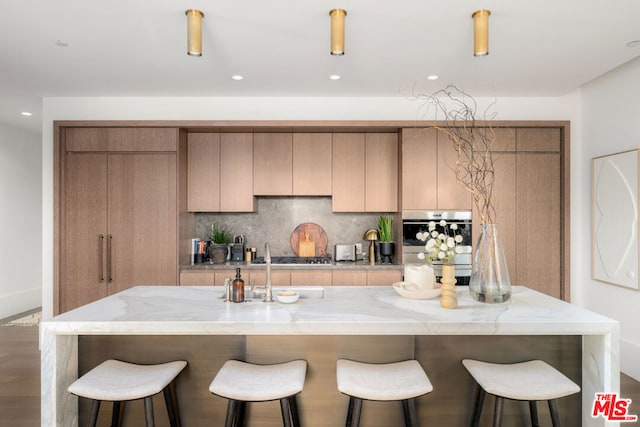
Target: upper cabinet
365	172
273	164
121	139
220	172
292	164
312	164
428	172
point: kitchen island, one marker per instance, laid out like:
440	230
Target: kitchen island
151	324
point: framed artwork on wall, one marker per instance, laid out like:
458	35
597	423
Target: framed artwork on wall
615	219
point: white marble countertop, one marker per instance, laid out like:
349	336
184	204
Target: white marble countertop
199	310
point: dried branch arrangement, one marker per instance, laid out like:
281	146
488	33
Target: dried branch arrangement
458	113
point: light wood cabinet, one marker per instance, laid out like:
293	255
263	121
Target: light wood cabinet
528	200
119	222
121	139
428	172
349	278
312	164
348	170
203	172
383	277
273	164
365	172
197	278
220	172
311	278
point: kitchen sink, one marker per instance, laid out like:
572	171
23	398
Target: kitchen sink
305	292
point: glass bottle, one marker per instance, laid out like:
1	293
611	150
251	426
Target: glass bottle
237	294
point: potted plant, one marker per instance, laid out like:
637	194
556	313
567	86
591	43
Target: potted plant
387	245
219	248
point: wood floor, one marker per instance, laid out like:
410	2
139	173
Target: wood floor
20	379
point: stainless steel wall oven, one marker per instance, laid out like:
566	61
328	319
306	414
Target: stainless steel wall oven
415	222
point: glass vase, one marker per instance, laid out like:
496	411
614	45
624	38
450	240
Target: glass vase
490	281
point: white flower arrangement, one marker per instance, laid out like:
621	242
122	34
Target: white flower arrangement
440	246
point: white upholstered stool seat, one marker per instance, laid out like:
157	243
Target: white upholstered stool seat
241	382
401	381
118	381
530	381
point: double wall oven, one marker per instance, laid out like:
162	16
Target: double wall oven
414	222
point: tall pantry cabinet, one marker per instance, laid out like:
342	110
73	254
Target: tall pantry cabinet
117	211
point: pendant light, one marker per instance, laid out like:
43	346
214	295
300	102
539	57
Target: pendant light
481	32
194	32
337	31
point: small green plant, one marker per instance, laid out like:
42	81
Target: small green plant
385	228
219	234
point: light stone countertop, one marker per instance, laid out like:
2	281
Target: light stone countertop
198	310
341	265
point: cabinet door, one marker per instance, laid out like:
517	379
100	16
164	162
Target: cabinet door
278	277
142	220
203	172
451	195
419	169
272	165
538	213
85	218
349	278
311	164
197	278
348	172
236	173
381	172
121	139
383	277
311	278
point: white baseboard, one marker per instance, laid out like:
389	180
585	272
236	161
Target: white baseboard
629	356
20	302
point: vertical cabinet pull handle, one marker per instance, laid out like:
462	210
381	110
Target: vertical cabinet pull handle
108	258
100	257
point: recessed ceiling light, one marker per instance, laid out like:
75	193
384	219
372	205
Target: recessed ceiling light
335	76
61	43
432	77
237	77
633	43
26	114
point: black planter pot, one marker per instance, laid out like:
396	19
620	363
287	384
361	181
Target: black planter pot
387	252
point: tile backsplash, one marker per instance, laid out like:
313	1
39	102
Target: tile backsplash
277	217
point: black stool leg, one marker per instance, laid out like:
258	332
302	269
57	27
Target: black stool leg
497	412
116	414
477	408
533	408
409	409
555	415
286	412
355	408
95	407
148	411
241	411
172	405
293	407
231	412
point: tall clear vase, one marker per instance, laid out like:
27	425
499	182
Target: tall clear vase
490	281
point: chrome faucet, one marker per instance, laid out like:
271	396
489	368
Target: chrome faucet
268	297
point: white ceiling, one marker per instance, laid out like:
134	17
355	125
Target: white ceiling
281	47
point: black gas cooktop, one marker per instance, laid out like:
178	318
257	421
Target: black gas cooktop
324	259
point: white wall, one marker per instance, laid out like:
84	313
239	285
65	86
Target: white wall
562	108
20	221
610	112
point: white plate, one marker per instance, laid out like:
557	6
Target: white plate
413	291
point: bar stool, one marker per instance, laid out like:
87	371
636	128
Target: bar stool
242	382
119	382
402	381
527	381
